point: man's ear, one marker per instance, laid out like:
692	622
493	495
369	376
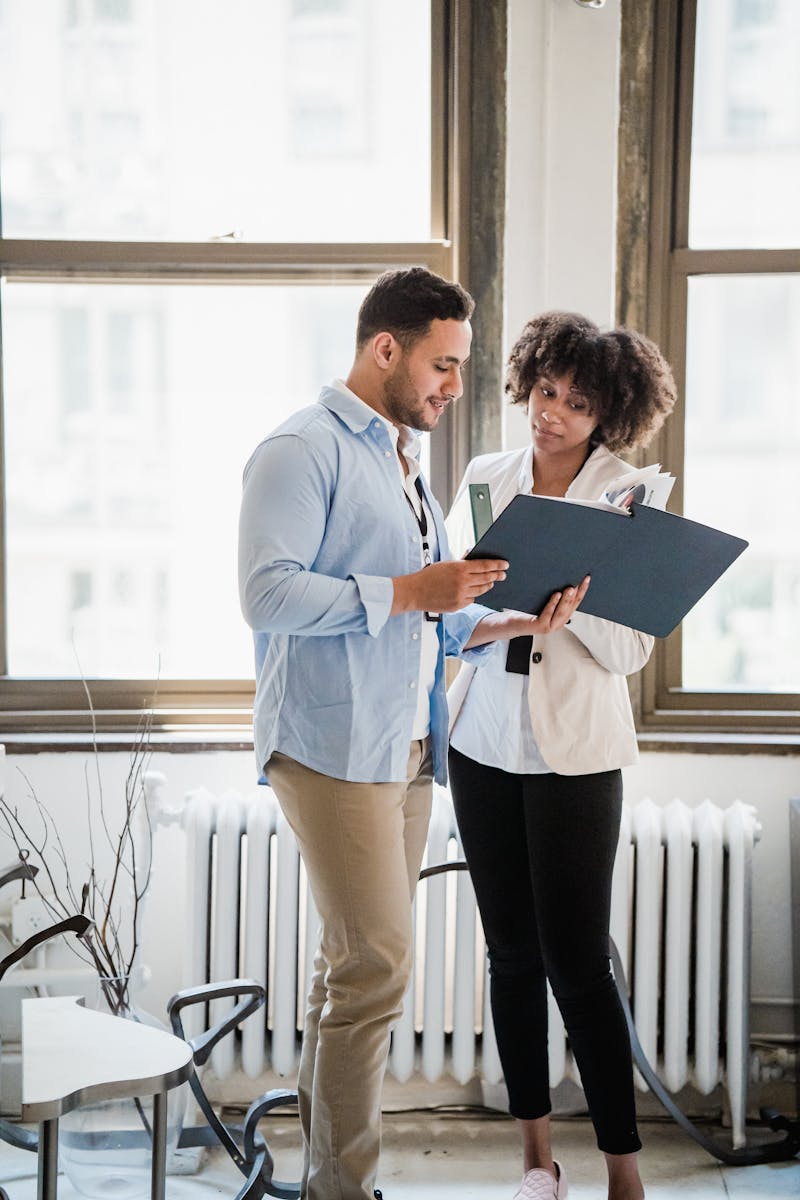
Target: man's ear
385	350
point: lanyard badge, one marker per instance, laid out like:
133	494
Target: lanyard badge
422	521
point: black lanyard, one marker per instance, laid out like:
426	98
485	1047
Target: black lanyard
421	518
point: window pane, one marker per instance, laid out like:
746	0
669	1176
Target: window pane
745	169
190	119
129	414
742	465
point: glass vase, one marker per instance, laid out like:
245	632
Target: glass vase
105	1147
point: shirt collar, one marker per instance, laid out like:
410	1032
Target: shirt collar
525	477
357	415
403	438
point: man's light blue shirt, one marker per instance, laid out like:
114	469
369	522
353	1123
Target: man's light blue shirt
324	528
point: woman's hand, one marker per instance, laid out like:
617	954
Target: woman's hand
558	610
505	625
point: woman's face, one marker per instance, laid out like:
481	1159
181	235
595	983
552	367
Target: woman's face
561	418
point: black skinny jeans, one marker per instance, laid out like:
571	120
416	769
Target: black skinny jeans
540	850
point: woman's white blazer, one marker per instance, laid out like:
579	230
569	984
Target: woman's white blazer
577	692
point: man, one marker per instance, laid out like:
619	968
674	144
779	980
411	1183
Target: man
343	581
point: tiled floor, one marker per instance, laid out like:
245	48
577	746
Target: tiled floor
452	1157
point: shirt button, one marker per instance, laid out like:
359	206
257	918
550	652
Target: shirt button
414	637
387	454
412	685
536	656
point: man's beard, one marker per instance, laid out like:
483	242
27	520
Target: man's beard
404	405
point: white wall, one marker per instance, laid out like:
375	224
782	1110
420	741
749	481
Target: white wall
63	782
562	165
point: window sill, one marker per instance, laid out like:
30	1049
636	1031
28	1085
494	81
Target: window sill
192	739
196	739
681	742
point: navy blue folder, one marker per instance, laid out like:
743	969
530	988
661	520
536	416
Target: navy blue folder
648	569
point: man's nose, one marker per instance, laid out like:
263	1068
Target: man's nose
455	385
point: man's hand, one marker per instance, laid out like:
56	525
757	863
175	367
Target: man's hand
446	586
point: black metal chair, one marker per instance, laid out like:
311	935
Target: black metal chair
253	1158
24	871
245	1145
16	1135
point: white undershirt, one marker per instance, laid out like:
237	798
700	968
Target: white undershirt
493	725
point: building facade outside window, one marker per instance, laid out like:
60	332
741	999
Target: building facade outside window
724	302
191	214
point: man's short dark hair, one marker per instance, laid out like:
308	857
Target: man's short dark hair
405	302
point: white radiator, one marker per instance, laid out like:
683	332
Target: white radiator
680	918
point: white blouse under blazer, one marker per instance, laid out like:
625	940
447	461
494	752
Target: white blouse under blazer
580	709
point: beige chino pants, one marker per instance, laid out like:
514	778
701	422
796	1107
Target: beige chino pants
362	845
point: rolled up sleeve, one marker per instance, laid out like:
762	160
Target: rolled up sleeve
458	628
377	597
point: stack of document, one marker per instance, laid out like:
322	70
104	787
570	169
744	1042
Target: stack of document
649	485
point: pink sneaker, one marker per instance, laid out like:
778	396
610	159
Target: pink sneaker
539	1184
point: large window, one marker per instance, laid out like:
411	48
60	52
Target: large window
725	304
130	410
194	199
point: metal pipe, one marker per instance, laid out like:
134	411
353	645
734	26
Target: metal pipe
47	1175
159	1164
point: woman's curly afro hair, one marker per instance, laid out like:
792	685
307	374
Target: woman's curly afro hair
622	373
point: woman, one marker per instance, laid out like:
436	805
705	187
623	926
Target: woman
535	757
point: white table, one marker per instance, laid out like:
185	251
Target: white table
72	1055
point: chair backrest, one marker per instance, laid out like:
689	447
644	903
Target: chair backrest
77	925
14	1134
